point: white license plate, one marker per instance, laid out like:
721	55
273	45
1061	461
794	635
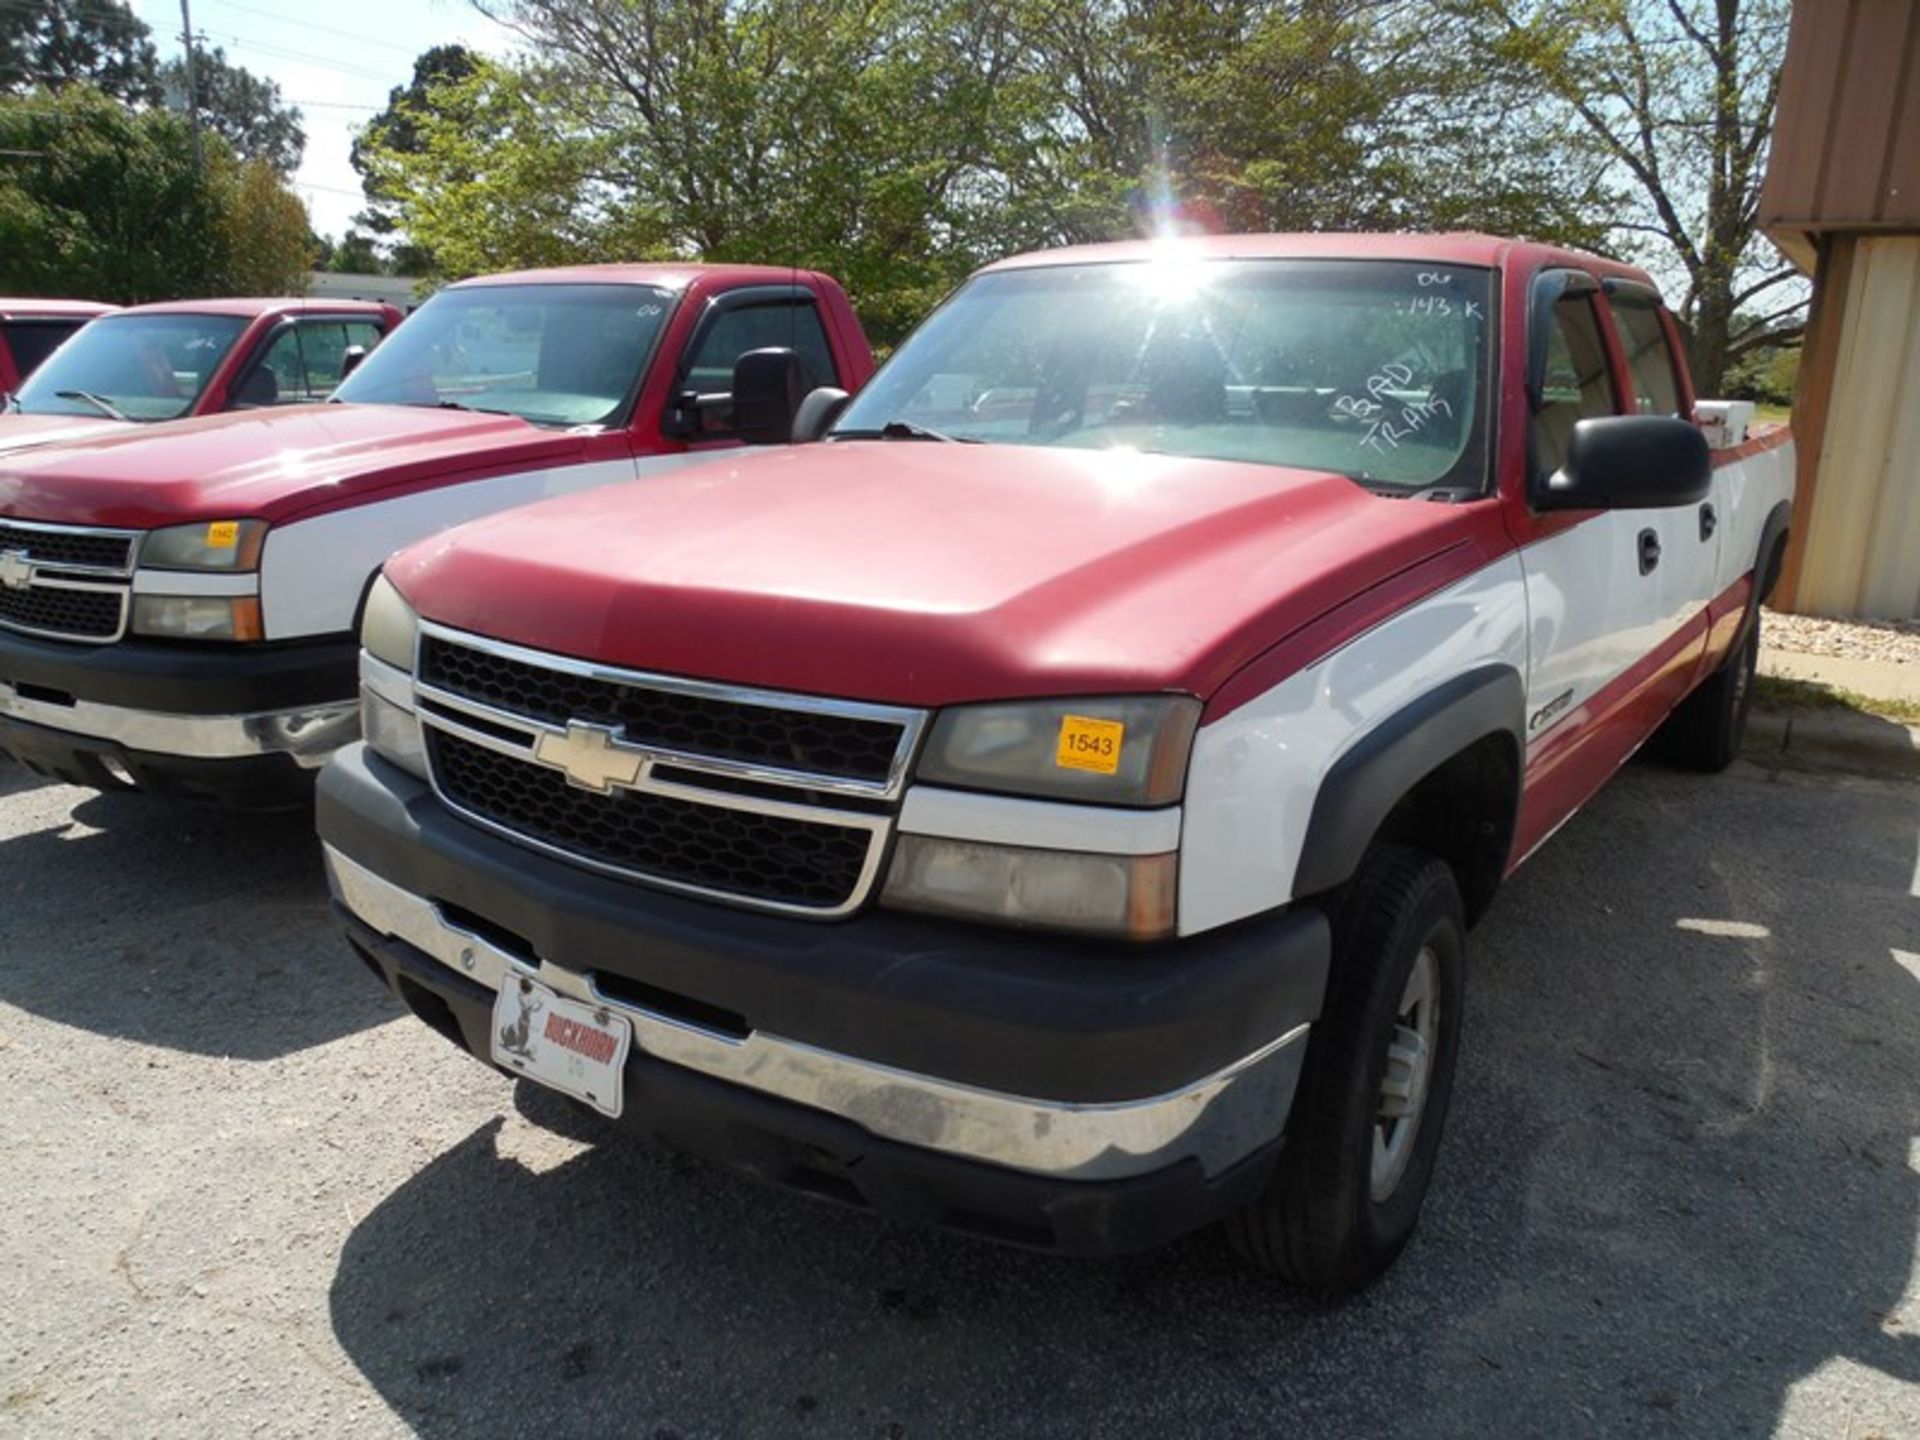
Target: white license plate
578	1049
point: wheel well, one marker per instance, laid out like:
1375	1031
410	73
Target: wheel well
1463	811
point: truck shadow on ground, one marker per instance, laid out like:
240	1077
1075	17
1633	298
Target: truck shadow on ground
1676	1184
174	925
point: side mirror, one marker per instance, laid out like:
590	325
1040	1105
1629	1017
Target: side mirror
768	386
1630	462
817	413
350	361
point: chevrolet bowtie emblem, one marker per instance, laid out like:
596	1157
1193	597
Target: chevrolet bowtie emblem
590	757
16	571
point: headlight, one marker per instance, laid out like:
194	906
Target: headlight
229	545
389	626
1125	896
198	617
1124	750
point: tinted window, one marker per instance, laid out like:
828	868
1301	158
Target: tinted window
1579	384
32	341
551	354
732	333
146	367
276	378
1649	357
1374	370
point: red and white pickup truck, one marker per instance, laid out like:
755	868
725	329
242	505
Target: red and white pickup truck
31	330
178	604
1053	808
180	358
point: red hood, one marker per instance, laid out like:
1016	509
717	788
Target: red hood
269	464
930	574
23	432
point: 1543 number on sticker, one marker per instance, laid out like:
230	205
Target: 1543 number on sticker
1089	744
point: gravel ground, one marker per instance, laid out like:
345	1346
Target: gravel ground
1897	641
245	1195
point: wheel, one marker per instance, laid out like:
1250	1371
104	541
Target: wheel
1366	1120
1705	731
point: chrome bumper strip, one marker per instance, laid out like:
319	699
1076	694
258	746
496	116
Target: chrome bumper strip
1217	1119
310	735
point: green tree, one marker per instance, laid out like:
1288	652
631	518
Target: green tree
54	43
106	202
376	238
242	108
1675	100
899	143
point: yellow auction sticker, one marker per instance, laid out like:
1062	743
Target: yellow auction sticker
223	534
1089	744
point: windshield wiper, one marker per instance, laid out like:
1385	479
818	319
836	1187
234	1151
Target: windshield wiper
473	409
99	402
904	430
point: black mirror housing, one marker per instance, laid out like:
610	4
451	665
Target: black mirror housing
1630	462
818	412
768	386
350	359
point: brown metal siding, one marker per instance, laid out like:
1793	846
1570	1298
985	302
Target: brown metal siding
1846	143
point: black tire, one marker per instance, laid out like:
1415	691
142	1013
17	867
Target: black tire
1706	731
1319	1223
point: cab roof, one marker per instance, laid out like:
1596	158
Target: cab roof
666	275
35	309
1455	248
252	306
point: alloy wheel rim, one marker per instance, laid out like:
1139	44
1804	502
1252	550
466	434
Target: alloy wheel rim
1403	1088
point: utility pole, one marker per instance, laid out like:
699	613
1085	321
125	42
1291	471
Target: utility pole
193	96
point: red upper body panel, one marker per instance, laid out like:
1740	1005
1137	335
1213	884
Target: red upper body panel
931	574
279	464
917	574
266	464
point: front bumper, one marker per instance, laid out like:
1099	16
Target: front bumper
1084	1097
240	725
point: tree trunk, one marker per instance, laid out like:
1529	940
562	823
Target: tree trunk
1707	343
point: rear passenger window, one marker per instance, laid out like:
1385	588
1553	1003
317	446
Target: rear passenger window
1579	384
1649	357
794	326
31	341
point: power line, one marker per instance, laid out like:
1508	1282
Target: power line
311	25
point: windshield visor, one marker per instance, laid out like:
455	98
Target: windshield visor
1376	370
559	355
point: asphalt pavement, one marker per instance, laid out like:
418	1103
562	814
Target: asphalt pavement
245	1194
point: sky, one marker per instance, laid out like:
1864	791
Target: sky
336	61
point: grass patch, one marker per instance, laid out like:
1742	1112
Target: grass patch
1772	414
1776	692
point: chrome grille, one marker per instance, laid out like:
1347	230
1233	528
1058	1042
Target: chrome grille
65	582
770	800
109	552
724	728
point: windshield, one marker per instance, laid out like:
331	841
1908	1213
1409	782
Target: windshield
552	354
1371	369
143	367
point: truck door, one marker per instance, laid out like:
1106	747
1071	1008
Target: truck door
1660	388
1614	597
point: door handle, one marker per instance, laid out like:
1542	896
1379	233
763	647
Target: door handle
1649	551
1709	522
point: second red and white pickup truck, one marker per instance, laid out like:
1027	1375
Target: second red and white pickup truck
178	604
1054	807
168	361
